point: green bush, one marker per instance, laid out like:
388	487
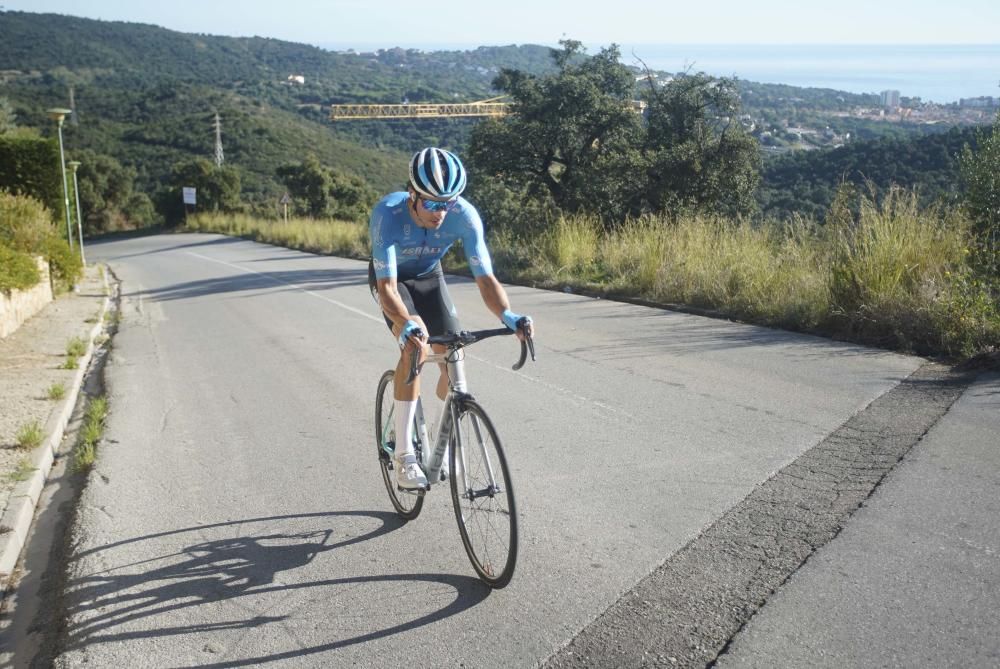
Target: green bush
30	166
64	263
18	270
25	227
25	224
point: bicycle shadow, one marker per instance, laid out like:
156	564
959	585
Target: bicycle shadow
117	604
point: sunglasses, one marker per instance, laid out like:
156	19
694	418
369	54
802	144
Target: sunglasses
437	205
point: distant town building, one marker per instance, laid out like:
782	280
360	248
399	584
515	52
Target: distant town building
890	99
982	102
296	79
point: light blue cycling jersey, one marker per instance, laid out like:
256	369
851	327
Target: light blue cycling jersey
403	249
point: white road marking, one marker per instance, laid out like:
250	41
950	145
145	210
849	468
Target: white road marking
562	391
293	285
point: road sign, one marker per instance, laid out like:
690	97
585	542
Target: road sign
285	199
190	196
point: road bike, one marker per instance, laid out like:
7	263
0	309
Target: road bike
480	482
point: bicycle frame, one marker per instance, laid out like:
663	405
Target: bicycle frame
433	459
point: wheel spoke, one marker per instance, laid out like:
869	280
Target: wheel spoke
484	500
407	503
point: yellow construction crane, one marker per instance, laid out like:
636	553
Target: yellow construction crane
487	107
481	108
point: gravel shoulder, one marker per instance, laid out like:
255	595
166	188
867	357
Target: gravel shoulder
31	362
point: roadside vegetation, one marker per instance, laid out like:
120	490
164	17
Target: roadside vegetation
76	347
91	432
343	238
28	230
22	472
29	436
893	275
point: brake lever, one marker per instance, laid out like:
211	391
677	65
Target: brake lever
527	344
414	367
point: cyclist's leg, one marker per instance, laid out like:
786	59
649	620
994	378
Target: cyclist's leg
401	391
405	396
434	303
430	295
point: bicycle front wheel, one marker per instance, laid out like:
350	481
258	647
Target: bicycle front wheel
406	503
483	496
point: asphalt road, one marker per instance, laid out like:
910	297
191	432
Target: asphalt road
236	515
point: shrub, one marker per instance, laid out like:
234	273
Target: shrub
30	435
18	271
892	268
25	223
65	263
30	166
76	347
26	227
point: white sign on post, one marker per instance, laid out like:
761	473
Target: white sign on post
189	196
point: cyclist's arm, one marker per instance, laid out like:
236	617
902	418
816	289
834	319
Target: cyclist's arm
495	297
384	262
392	304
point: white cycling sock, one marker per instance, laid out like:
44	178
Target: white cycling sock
404	412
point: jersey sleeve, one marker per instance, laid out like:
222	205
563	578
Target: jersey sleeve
383	248
474	244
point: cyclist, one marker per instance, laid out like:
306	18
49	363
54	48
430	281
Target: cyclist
410	232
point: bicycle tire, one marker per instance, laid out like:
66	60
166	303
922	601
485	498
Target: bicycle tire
407	504
483	513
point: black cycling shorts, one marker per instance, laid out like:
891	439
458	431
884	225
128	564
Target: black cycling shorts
427	296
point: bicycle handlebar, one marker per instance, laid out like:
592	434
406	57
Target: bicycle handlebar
465	338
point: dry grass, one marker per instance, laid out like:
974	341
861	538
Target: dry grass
344	238
894	276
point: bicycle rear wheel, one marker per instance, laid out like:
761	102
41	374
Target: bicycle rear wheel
483	496
406	503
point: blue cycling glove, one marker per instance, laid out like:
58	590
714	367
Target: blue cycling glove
510	319
411	329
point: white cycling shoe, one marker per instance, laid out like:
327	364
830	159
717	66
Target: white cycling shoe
408	473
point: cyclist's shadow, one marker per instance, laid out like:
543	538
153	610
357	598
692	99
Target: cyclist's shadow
228	568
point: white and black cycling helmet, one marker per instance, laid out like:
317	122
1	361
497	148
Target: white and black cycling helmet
437	174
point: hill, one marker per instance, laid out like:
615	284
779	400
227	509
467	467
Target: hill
805	182
146	96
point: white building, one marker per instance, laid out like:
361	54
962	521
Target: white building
890	99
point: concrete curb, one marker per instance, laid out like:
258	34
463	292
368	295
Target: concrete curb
24	497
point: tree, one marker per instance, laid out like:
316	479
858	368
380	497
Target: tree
7	116
699	156
309	185
572	137
981	176
321	192
218	188
30	166
107	199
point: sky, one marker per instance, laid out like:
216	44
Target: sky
385	23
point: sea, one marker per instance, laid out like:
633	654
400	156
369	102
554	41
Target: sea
934	73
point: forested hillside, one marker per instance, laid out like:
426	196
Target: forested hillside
146	97
805	182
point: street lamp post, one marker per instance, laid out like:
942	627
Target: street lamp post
58	115
74	165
